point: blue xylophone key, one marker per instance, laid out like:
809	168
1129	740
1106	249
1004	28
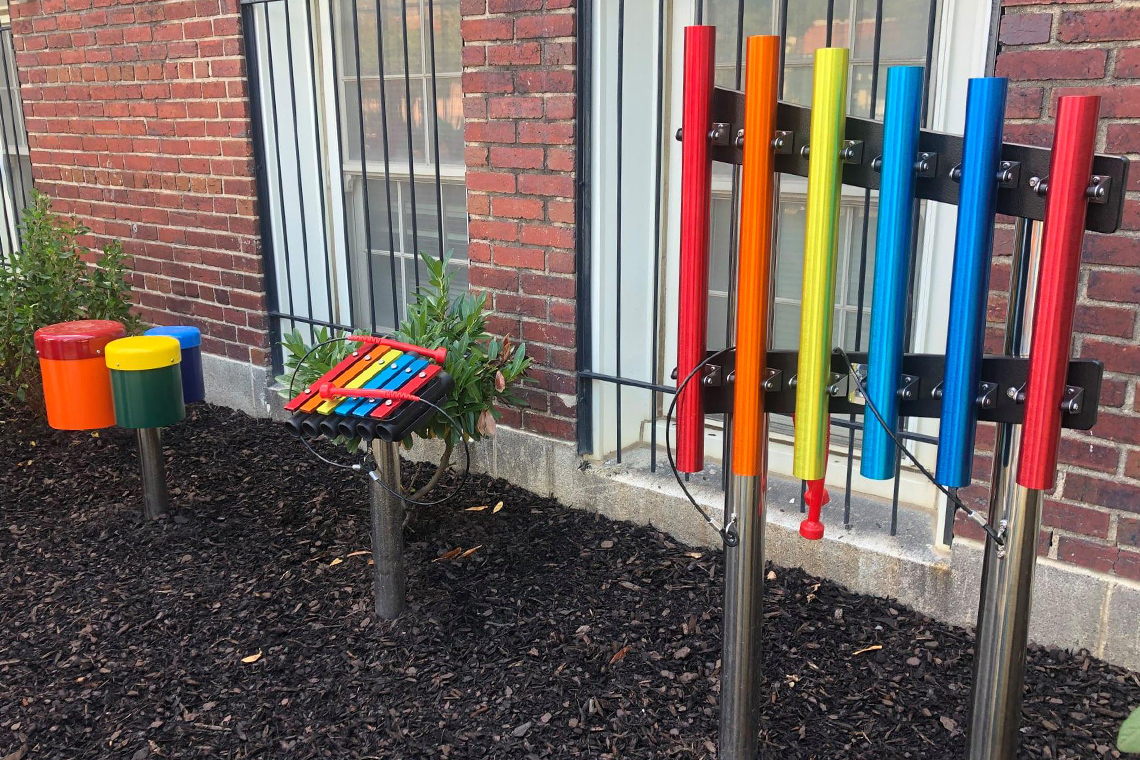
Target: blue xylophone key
403	374
392	370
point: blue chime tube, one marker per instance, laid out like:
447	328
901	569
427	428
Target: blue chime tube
901	123
969	285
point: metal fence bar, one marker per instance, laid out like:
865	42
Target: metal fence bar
659	128
617	210
435	131
364	162
386	150
411	151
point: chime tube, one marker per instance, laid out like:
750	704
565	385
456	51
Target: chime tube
1066	203
828	116
741	676
311	426
901	124
969	286
294	423
408	416
696	191
330	426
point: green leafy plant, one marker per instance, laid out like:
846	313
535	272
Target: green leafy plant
1128	740
50	280
486	369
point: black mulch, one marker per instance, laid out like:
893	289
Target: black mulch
562	634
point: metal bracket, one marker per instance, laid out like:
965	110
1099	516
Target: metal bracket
927	164
908	387
852	152
1039	185
1016	393
854	395
1099	188
1072	400
739	141
720	134
713	376
773	380
987	393
837	385
1009	174
955	172
784	142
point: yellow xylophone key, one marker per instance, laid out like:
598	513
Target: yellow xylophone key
365	361
365	375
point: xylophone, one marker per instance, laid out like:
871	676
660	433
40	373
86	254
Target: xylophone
383	390
1034	389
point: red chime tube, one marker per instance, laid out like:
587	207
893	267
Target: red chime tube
1066	204
696	190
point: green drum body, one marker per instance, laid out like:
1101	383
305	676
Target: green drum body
146	381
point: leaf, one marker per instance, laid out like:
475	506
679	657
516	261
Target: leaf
451	554
619	655
470	551
1128	740
476	509
498	507
252	658
872	648
336	562
360	553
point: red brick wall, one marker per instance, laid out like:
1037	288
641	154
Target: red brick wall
138	122
518	86
1051	49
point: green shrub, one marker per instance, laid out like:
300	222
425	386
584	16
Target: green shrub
486	369
48	281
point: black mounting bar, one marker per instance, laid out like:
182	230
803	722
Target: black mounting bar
1021	191
1000	393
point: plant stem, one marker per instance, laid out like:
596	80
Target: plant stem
444	462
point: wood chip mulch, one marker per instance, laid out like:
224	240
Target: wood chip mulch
241	627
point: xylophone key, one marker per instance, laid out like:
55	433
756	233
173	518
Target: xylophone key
380	360
393	367
310	393
394	383
389	407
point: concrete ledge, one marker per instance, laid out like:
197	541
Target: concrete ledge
1072	608
238	385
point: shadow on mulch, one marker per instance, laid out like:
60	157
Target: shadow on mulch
562	634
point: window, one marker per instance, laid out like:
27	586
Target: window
359	109
403	206
635	214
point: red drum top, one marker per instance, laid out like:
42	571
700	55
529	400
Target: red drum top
84	339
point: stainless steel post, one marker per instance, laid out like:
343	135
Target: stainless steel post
1007	571
389	578
156	499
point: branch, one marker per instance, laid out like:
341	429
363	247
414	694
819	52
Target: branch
444	462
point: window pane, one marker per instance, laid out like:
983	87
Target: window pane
381	274
393	20
449	112
722	224
455	220
448	43
378	203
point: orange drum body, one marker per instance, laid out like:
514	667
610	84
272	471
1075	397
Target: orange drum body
76	381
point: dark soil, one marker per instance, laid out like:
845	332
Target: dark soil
562	634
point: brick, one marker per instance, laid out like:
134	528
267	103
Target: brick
1089	455
1115	250
1099	26
547	235
1116	101
479	29
547	285
516	207
549	25
1118	287
491	182
1077	519
1110	494
518	54
1123	138
560	185
1025	28
493	230
517	158
1023	102
515	107
1052	64
1105	320
1090	554
1128	63
522	258
1127	565
1128	531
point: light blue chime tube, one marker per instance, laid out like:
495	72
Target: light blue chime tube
901	123
969	286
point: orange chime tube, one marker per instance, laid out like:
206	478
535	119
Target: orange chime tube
744	560
696	192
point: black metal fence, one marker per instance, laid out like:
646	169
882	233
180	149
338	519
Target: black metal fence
357	110
879	33
15	167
